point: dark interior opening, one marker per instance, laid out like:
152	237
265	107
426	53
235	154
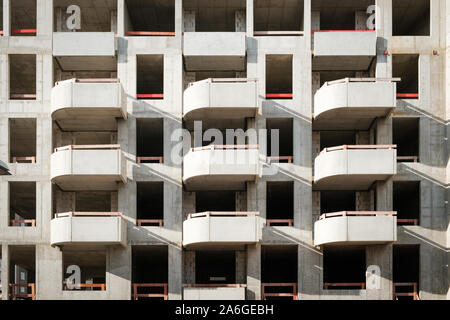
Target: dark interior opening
279	264
150	202
405	134
216	15
215	267
406	201
22	140
215	201
406	268
150	264
150	76
280	200
92	263
22	76
285	138
344	265
281	15
336	138
22	204
150	138
1	20
335	201
22	272
406	67
341	15
279	76
23	17
150	16
410	18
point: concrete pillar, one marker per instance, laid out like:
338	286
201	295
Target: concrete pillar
189	266
189	21
114	21
49	272
315	20
241	201
379	258
363	201
179	21
315	86
44	17
360	20
118	273
249	17
240	21
6	18
5	271
383	22
254	272
175	272
241	273
309	272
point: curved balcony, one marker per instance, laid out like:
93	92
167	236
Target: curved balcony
88	167
212	228
356	227
354	167
78	103
220	98
220	167
353	104
88	228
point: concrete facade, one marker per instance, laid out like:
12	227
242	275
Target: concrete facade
107	173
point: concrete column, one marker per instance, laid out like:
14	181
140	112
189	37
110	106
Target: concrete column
39	75
360	20
310	264
240	21
383	22
315	86
118	273
315	20
249	17
175	266
241	263
363	201
241	201
44	17
252	196
179	20
379	258
123	19
49	272
6	18
384	195
189	266
189	20
5	271
254	272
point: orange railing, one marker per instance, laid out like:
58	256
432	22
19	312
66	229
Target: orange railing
287	159
22	96
15	291
89	147
97	80
314	31
279	95
278	33
150	96
20	222
413	292
149	159
101	286
413	222
280	222
137	286
214	285
357	213
226	147
408	95
149	33
31	159
23	31
223	214
362	146
292	293
150	222
359	285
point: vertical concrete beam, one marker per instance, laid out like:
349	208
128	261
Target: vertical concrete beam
241	273
189	267
379	286
6	18
5	271
309	270
239	19
254	272
44	16
250	17
189	20
118	273
175	272
179	19
114	21
49	272
315	20
383	22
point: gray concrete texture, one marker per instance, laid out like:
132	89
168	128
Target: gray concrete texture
97	181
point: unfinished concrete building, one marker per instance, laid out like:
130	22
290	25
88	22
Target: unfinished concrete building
351	204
